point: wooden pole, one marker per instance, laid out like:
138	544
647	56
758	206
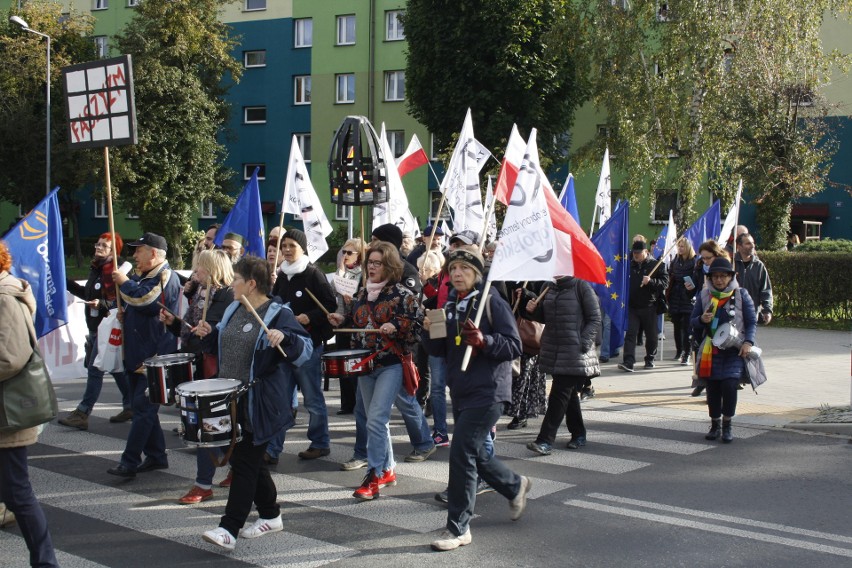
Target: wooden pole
115	252
314	298
662	258
469	350
250	308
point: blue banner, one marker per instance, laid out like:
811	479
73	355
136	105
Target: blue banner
38	257
569	199
246	219
707	227
612	241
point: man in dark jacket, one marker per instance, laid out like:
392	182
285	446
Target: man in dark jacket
753	276
646	286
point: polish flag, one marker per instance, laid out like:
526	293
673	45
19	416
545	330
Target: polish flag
576	255
413	158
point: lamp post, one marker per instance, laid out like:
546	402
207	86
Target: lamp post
21	22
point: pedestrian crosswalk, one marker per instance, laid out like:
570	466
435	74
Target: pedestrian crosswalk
323	521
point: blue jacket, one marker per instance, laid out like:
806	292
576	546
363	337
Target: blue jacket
488	378
271	376
727	363
144	334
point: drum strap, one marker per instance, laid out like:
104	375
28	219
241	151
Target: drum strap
357	366
234	428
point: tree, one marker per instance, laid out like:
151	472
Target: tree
703	93
181	64
502	59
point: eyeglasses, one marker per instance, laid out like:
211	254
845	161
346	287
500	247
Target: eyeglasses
103	246
348	252
374	263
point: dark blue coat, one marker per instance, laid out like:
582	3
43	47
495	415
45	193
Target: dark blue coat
727	363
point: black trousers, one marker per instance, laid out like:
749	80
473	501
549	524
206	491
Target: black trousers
564	401
722	397
421	359
647	319
681	331
251	483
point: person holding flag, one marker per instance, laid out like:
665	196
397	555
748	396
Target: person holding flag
646	284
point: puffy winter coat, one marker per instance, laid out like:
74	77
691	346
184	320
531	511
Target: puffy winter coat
727	363
680	299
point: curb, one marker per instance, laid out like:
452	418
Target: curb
838	428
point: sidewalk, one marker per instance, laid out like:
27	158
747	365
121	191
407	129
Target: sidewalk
807	370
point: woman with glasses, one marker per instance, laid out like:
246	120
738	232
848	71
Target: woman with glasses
348	273
99	296
388	312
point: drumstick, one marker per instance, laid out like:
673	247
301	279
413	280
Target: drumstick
177	317
314	298
250	308
355	330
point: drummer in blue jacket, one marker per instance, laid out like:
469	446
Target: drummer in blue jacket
253	356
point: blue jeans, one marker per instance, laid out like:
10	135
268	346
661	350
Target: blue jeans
378	390
469	460
438	393
145	435
95	382
309	378
17	493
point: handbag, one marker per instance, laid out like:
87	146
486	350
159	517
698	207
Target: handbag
530	332
28	399
110	339
410	374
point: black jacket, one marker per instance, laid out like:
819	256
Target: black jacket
293	292
100	278
680	299
646	296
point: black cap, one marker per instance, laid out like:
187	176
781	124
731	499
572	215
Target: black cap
721	264
299	237
152	240
389	233
637	246
467	236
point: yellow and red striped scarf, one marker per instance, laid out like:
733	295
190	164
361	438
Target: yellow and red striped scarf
717	300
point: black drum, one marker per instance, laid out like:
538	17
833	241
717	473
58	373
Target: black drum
165	373
205	411
346	363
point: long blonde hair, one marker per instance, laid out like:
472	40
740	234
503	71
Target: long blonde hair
218	265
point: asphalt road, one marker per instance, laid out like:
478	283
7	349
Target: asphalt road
648	490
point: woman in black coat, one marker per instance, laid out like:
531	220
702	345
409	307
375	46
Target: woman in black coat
681	297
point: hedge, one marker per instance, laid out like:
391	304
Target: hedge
811	285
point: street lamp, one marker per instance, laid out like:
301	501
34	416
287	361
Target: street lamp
26	27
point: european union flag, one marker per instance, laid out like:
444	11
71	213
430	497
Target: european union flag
707	227
38	257
246	219
612	241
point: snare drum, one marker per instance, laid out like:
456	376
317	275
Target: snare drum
165	373
346	363
205	411
727	337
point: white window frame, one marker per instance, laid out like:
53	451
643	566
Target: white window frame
662	217
133	3
251	52
248	169
247	9
299	36
303	139
301	94
206	209
394	30
433	152
663	12
394	83
343	28
246	110
341	212
100	204
102	46
100	5
396	141
348	83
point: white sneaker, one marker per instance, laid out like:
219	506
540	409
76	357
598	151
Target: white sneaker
519	503
220	537
449	541
262	527
353	464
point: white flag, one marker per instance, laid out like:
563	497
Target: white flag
491	222
395	210
461	182
603	198
527	245
670	250
300	198
732	218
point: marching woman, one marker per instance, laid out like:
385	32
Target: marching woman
248	353
708	251
479	394
722	301
389	307
681	297
348	268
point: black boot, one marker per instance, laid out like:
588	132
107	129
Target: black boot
715	429
727	435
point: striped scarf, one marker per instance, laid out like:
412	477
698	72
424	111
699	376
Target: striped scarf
717	300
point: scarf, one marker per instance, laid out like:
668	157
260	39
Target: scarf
718	299
291	269
373	289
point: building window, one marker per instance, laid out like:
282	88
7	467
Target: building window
433	148
396	141
254	115
393	25
256	58
346	30
207	210
132	216
663	12
101	46
303	32
304	142
341	212
101	208
132	3
623	4
302	90
345	88
100	5
435	198
664	200
255	5
394	85
248	169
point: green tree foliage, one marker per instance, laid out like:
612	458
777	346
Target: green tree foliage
22	103
501	58
701	94
181	61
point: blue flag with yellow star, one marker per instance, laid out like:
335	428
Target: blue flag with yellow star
612	241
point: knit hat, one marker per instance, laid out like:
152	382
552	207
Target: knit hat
389	233
721	264
299	237
468	256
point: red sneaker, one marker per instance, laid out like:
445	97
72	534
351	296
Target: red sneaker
369	489
196	495
227	481
387	478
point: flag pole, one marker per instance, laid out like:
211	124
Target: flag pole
594	216
663	257
115	252
469	350
484	231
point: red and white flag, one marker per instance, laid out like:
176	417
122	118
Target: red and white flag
413	158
